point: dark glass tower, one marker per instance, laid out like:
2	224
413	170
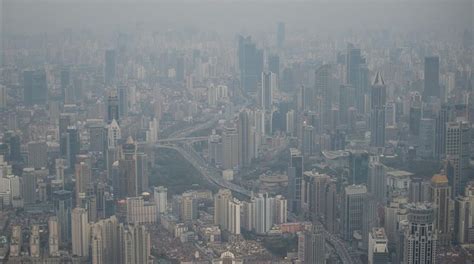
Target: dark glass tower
250	64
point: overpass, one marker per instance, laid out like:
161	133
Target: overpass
210	173
182	140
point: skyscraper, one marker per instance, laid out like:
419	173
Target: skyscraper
427	138
356	74
73	145
441	198
35	250
464	216
135	244
378	246
264	213
110	66
377	183
83	178
160	194
231	148
420	241
142	171
243	126
322	89
315	245
122	95
431	85
53	236
250	64
128	182
62	208
221	205
295	177
457	154
112	107
265	96
105	243
37	154
355	197
440	132
29	183
80	232
377	114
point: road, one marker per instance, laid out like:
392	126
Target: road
210	173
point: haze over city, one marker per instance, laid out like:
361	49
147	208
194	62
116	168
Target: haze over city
236	131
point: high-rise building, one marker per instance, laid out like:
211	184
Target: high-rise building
243	128
431	84
135	244
295	178
307	142
160	194
440	131
3	97
105	242
457	155
112	107
355	196
415	114
35	250
377	114
97	135
378	246
35	87
464	216
420	241
419	190
441	198
250	64
127	181
63	208
322	89
29	184
265	95
73	145
280	35
264	213
80	232
377	183
110	65
37	154
122	94
65	81
140	210
281	210
315	245
233	211
221	206
53	236
83	178
16	241
313	194
230	148
427	138
356	75
188	207
142	171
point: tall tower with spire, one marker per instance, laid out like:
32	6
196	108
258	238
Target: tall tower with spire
377	112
